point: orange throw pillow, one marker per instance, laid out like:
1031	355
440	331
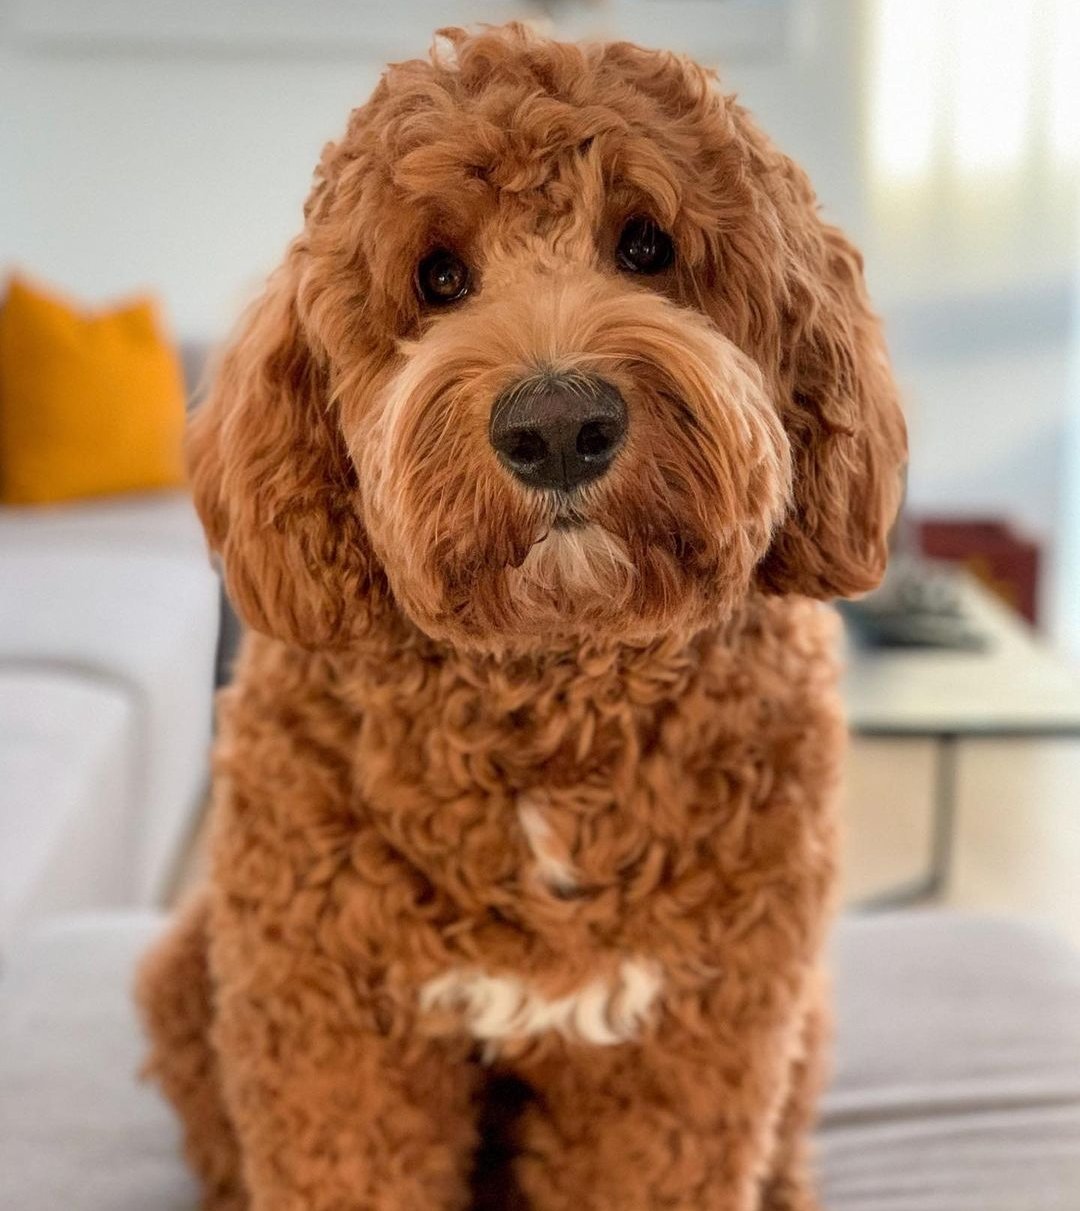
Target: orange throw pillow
90	404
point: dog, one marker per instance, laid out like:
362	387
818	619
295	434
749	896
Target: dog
530	471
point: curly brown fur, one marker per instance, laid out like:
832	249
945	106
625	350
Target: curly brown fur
519	790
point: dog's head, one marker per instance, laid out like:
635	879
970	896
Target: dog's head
563	349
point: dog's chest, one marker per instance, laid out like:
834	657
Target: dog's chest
570	912
570	861
579	786
583	849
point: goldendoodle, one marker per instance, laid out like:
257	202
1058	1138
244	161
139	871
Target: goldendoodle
529	471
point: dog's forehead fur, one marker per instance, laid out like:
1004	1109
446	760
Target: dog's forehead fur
517	146
539	120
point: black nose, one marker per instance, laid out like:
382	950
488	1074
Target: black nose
559	430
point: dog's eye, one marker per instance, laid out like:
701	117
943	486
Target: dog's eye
442	277
644	248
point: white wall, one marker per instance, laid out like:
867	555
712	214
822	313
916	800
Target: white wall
182	167
183	175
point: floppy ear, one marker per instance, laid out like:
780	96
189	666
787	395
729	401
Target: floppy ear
840	408
798	285
274	487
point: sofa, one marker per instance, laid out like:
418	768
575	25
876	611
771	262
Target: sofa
109	623
956	1084
109	616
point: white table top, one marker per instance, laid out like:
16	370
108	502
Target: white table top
1016	685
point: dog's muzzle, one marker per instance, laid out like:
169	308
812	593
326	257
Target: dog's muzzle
558	430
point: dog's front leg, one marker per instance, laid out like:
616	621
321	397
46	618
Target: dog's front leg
677	1122
335	1109
790	1185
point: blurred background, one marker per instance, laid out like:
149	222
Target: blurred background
154	157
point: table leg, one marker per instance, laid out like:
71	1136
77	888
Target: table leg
931	885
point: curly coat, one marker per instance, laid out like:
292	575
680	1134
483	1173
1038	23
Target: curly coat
523	843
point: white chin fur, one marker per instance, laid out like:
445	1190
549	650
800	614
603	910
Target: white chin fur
585	560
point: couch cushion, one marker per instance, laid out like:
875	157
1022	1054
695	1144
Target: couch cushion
127	596
957	1072
67	769
957	1085
162	523
147	623
78	1131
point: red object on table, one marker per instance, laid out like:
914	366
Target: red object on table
1006	562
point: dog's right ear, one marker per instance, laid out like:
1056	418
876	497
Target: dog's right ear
274	486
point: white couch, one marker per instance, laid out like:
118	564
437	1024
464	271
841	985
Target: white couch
109	614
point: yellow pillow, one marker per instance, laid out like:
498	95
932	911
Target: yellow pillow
89	404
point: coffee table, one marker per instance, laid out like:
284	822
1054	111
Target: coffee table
1018	686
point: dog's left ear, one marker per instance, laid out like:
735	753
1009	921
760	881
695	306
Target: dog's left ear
840	408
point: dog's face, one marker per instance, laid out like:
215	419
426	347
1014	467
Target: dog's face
563	350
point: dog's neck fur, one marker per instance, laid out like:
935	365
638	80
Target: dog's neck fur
550	806
542	708
448	722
